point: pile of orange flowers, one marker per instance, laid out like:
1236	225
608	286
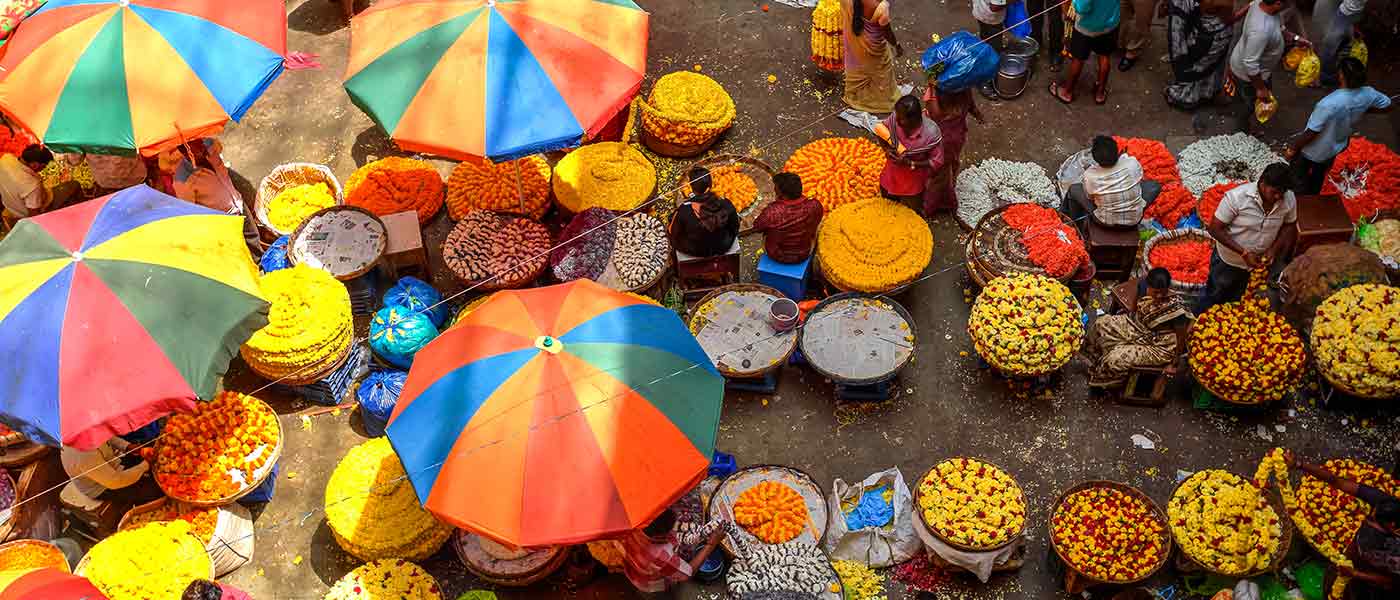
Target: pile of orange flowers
771	511
14	140
202	520
1367	175
1335	514
1109	534
733	184
31	554
1244	351
1049	243
218	450
1158	164
1187	258
393	185
836	171
1171	206
503	187
1210	200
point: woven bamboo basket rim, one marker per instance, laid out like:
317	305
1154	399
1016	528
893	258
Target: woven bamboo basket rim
673	150
984	227
560	555
62	563
974	269
818	526
276	455
919	507
493	284
81	569
1173	235
1285	533
1157	513
312	376
742	287
816	310
268	189
379	255
1350	391
766	193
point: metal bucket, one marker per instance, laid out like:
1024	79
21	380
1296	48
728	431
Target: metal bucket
1021	47
1012	76
782	315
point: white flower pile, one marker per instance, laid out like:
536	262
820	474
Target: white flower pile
1222	159
994	183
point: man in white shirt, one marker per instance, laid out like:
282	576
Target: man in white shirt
1253	228
1112	190
990	15
1259	47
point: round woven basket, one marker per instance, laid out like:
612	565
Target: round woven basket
8	548
1180	287
1285	540
918	508
759	171
1157	513
286	176
81	568
247	488
500	576
742	287
668	149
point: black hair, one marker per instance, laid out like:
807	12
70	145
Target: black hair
1388	513
699	180
909	107
1354	71
1159	278
202	589
1277	176
789	185
857	17
1104	151
662	525
36	154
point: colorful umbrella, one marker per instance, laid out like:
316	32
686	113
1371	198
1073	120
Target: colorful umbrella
126	75
117	311
47	583
558	415
496	78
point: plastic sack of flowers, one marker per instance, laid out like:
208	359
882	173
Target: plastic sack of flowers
275	258
377	395
397	334
960	61
416	295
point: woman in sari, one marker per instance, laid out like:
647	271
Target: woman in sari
949	110
914	153
868	56
1151	335
1198	35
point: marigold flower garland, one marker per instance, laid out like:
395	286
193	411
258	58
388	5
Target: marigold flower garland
771	511
1356	339
1186	257
309	324
687	108
1026	325
1244	351
503	187
32	554
1210	200
395	184
1157	162
826	36
293	205
733	184
609	175
1309	521
203	520
156	561
373	511
1171	205
838	171
502	250
972	503
1108	534
1224	523
1367	175
217	450
391	579
873	245
1049	242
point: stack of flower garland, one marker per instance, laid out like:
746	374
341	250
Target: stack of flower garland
393	185
1367	175
1109	534
154	561
1327	517
1026	325
519	186
217	451
733	184
972	503
873	245
1245	352
994	183
1210	200
1186	256
395	579
609	175
309	325
826	36
373	511
14	140
1224	523
687	109
1157	162
1171	205
623	253
838	171
1049	242
1223	158
1356	338
293	205
771	511
503	251
203	520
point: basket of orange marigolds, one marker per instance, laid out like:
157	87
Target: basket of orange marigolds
771	504
220	452
225	531
31	554
518	186
685	114
1108	532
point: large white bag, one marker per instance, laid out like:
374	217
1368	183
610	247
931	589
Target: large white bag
884	546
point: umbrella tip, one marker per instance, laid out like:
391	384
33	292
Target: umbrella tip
548	344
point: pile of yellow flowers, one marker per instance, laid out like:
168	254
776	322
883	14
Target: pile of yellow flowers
972	503
609	175
395	579
861	582
1356	338
156	561
873	245
687	109
373	511
1109	534
1324	515
293	205
836	171
1224	523
1025	324
826	35
308	324
203	520
502	187
731	183
1245	352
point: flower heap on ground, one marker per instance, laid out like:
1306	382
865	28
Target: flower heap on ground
838	171
731	183
218	450
687	109
771	511
1223	158
373	511
395	579
972	503
1224	523
1109	534
609	175
519	186
1049	242
1172	205
1356	339
994	183
1157	162
826	36
1186	256
395	184
1367	175
156	561
873	245
309	324
1245	352
202	520
293	205
640	251
861	582
1210	200
506	251
1026	325
1323	516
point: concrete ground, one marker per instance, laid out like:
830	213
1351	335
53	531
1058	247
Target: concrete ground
1048	439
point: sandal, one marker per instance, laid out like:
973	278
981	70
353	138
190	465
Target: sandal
1100	95
1127	62
1055	91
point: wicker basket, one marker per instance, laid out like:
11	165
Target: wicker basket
668	149
759	171
1184	559
694	316
918	509
232	543
1157	513
258	478
501	576
286	176
1180	287
57	560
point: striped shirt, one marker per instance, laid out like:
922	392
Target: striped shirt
1116	192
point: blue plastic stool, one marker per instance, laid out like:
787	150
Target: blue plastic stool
722	464
790	279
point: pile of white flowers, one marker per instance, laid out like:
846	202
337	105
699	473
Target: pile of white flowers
994	183
1222	159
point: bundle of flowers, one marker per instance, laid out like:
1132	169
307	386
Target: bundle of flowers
308	324
733	184
373	511
609	175
972	503
1367	175
640	252
771	511
838	171
1325	521
1224	523
59	171
1026	324
1244	351
1171	205
826	36
293	205
156	561
1157	162
519	186
1049	242
385	579
687	108
393	185
585	245
1187	257
202	520
218	450
859	580
994	183
1210	200
502	250
1109	534
1356	338
873	245
1223	158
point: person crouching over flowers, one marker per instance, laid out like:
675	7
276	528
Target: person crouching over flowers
1112	191
651	555
1375	551
705	224
1152	334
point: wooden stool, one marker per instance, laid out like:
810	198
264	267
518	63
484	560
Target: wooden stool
1321	220
1113	249
404	253
698	276
1123	297
1146	386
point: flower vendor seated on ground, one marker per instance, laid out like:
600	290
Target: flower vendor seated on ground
651	555
1376	549
1330	127
789	224
96	471
868	53
203	589
705	224
1151	334
1112	191
1252	228
913	154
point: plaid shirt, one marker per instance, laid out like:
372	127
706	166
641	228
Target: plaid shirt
791	227
650	566
1116	191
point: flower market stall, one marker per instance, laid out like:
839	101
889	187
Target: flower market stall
1210	200
1026	325
226	531
1185	253
625	253
1320	272
155	560
387	522
386	578
1356	340
1243	352
610	175
1223	158
395	184
345	241
307	185
732	325
519	187
745	182
994	183
219	452
854	338
972	516
1367	176
770	505
1225	524
796	567
510	567
1025	238
309	331
1108	532
874	245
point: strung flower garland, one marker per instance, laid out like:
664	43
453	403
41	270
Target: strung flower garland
1223	158
1356	339
1109	534
873	245
155	561
837	171
609	175
687	108
1157	162
14	140
771	511
1026	325
1224	523
218	450
1309	523
373	511
1210	200
1049	242
972	503
519	186
731	183
503	251
293	205
391	579
395	184
994	183
1171	205
1187	257
859	580
826	36
1367	175
1245	352
309	324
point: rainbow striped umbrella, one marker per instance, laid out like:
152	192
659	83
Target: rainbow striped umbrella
496	78
139	75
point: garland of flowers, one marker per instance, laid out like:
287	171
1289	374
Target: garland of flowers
200	451
155	561
973	503
1356	339
994	183
731	183
1273	466
873	245
838	171
859	580
609	175
308	324
395	579
395	184
485	185
1223	158
1157	162
687	108
1026	324
1367	176
1049	242
1224	523
503	250
826	36
1210	200
387	521
14	140
1187	258
293	205
1171	205
1244	351
59	171
1108	534
771	511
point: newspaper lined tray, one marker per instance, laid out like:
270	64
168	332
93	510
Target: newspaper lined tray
346	241
855	338
731	324
722	504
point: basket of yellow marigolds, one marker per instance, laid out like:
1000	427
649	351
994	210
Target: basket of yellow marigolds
226	531
155	560
291	193
685	114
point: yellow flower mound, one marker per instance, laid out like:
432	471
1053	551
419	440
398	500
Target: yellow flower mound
1356	339
308	325
486	185
687	108
373	511
609	175
733	184
156	561
972	503
386	580
1025	324
861	582
293	205
1224	523
873	245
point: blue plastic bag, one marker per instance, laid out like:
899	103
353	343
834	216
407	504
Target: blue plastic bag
377	395
1018	19
416	295
960	62
396	334
275	258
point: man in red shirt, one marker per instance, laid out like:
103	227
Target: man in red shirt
651	558
790	222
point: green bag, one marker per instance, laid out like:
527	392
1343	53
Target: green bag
1310	577
478	595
